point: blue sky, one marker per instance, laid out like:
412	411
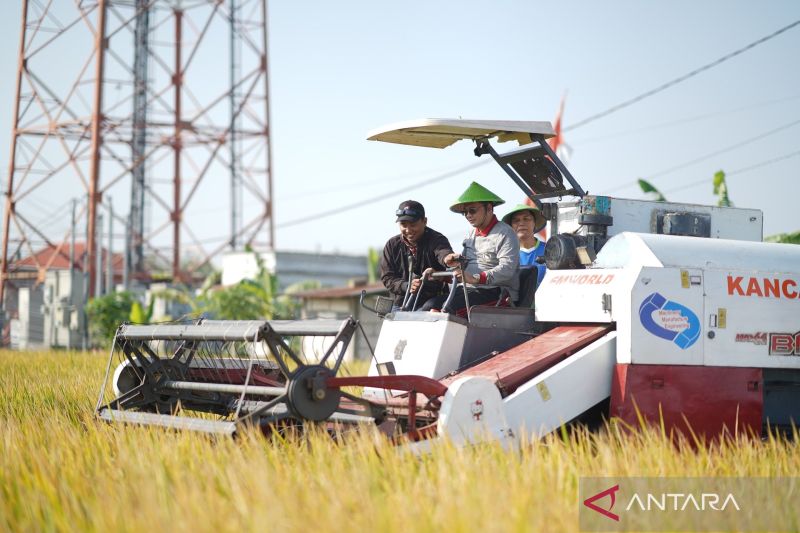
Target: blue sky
340	69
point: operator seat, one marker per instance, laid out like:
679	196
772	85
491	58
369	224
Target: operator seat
528	278
528	281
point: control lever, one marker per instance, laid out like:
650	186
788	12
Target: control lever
411	277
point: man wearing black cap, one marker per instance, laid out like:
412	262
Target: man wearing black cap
416	249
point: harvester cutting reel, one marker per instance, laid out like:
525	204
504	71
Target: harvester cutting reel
215	376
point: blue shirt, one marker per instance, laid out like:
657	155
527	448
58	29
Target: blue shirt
527	258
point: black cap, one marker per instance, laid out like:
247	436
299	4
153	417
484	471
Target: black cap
409	211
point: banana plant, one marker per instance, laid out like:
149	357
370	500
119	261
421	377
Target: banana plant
721	190
652	193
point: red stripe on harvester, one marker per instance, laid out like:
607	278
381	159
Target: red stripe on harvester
427	386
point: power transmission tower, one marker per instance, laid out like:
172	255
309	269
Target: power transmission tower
139	100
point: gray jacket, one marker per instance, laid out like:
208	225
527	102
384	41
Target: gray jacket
496	254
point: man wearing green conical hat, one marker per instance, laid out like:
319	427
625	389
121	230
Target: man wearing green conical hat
491	250
526	221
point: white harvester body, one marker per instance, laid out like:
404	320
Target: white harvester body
673	301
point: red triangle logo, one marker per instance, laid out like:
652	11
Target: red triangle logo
589	502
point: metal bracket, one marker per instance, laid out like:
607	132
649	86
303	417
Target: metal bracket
522	167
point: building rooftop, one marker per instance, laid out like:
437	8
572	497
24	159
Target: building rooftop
56	257
341	292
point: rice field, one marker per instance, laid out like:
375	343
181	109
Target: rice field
61	470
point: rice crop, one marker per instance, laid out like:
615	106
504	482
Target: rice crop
63	470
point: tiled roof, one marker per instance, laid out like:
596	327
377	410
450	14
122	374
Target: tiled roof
341	292
57	257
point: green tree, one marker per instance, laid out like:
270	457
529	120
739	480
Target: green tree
250	299
373	265
247	300
788	238
140	315
106	313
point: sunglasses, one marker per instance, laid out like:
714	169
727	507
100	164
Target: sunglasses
470	211
408	212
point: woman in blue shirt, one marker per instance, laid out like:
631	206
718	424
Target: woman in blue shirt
526	221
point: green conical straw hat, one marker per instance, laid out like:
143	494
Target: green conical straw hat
538	218
475	193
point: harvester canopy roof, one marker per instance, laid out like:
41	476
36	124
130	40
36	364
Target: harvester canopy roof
442	132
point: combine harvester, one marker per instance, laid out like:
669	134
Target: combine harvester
667	311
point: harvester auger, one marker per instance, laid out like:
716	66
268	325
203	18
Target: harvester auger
672	313
215	376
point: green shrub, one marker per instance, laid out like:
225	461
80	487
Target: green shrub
106	313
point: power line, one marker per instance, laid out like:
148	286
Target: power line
679	79
583	122
709	155
726	149
678	122
734	172
450	174
761	164
354	185
366	201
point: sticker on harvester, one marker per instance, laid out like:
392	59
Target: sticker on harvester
669	320
544	392
758	338
581	279
399	349
784	343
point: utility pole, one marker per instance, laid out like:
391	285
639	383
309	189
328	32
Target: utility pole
177	146
97	267
97	125
110	252
134	243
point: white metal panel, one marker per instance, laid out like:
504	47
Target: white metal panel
563	391
626	250
442	132
637	216
693	252
667	317
754	318
472	411
426	347
577	295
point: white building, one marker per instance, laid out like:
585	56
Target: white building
331	270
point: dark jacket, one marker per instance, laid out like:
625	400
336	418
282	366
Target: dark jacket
432	248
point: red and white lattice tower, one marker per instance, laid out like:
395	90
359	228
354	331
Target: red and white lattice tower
160	105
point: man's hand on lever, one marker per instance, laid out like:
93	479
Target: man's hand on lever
415	284
452	259
426	276
457	261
